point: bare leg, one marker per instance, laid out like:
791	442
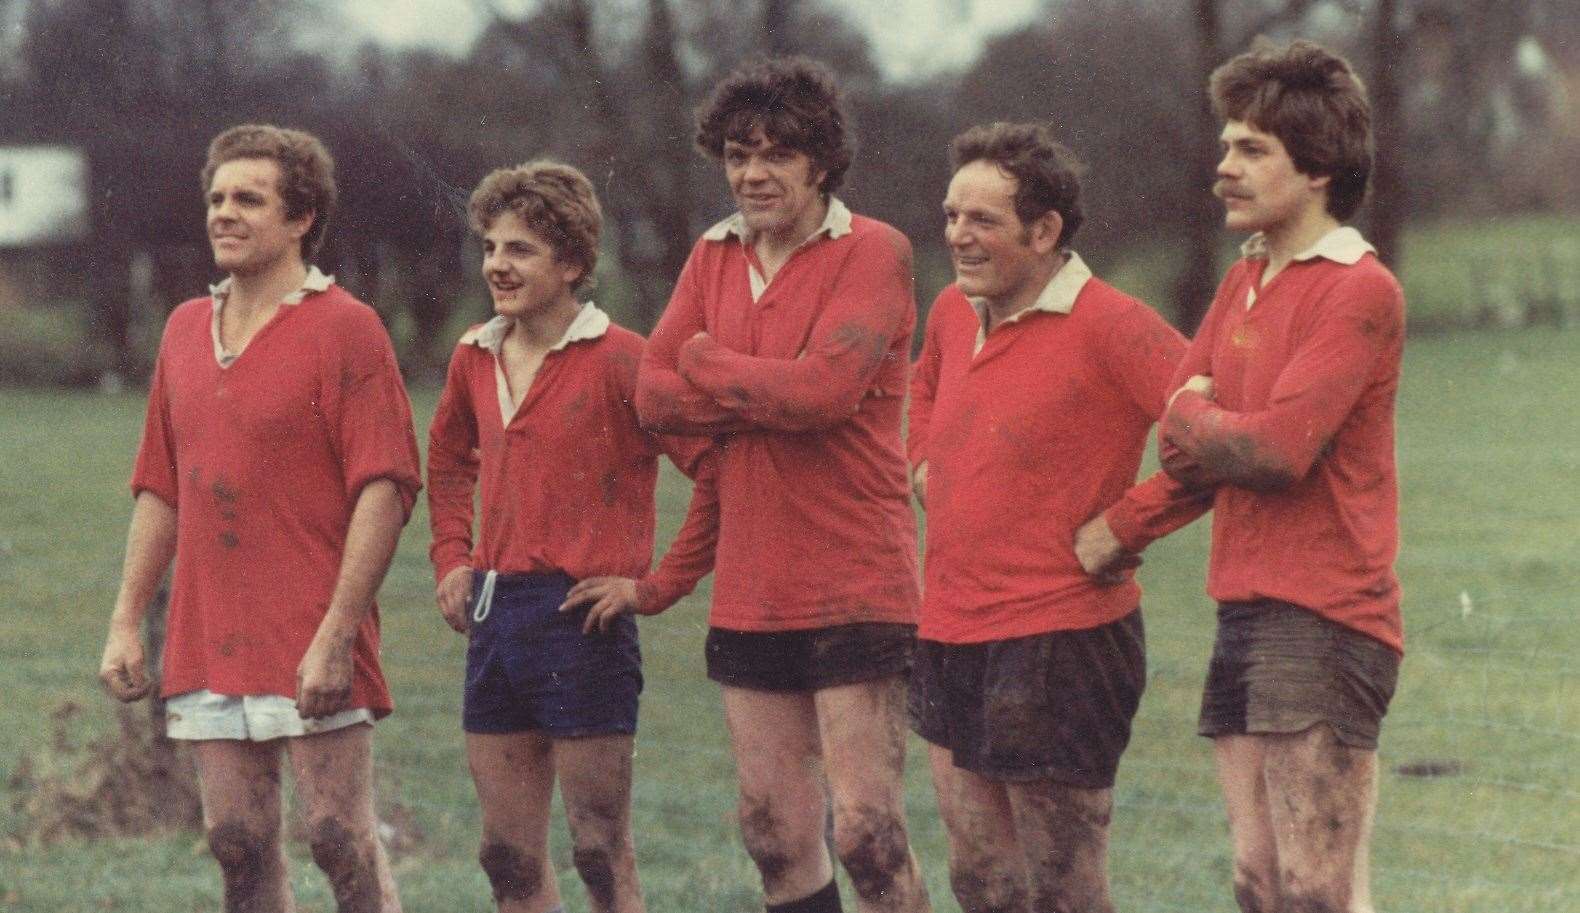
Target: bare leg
240	786
1063	834
595	781
782	806
514	776
334	783
1240	773
986	867
1321	796
862	729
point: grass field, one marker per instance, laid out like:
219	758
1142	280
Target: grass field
1489	453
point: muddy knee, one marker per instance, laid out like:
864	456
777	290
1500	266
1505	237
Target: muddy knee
242	853
984	888
872	847
595	865
1254	892
763	834
512	874
349	860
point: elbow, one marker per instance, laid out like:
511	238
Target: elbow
1245	462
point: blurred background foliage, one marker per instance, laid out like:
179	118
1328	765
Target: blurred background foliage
1476	202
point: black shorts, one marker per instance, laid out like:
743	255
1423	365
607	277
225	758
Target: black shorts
809	659
1279	668
1054	706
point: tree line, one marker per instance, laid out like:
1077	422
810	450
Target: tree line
1469	100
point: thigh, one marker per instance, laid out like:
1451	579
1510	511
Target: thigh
774	737
976	813
595	782
1063	835
862	731
334	776
1322	794
514	777
239	782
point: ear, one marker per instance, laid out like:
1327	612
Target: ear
815	176
303	223
1045	232
571	273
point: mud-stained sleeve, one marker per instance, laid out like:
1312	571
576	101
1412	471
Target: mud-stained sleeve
1275	447
365	402
924	386
690	556
1182	467
452	469
665	401
871	301
155	470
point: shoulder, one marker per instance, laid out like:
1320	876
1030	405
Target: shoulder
1366	286
879	236
339	308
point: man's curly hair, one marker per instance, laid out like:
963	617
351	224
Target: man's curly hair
553	199
795	101
1047	175
307	172
1314	103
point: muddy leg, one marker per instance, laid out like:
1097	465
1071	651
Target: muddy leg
240	786
595	781
334	783
862	729
1241	759
514	776
986	868
1321	796
1063	834
783	806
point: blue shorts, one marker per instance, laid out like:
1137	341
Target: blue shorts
529	667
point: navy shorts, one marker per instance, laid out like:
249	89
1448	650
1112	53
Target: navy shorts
529	667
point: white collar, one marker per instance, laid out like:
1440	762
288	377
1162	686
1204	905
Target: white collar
1057	297
1341	245
590	323
314	281
837	223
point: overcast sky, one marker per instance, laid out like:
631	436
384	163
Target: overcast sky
910	37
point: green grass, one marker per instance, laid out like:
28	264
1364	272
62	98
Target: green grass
1489	454
1450	270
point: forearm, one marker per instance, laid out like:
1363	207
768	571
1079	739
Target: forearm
667	404
370	545
452	481
1242	449
150	546
816	390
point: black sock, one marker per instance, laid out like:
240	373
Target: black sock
823	901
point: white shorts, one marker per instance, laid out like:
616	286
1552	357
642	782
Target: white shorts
198	715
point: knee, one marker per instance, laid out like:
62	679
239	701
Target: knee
1254	891
241	851
872	846
984	887
512	874
595	865
345	856
763	833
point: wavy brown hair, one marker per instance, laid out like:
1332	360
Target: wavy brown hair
307	171
795	101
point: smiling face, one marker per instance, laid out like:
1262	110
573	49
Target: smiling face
1259	184
775	187
248	229
525	278
996	256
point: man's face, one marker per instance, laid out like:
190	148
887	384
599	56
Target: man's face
1258	183
247	226
995	254
524	277
774	186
